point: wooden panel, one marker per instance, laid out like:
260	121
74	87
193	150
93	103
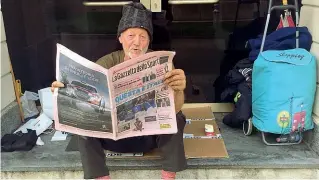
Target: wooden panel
7	90
309	17
5	62
3	34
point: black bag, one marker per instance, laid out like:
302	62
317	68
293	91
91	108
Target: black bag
19	141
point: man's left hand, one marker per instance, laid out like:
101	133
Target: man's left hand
176	79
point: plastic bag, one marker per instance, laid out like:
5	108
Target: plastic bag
28	104
46	100
40	124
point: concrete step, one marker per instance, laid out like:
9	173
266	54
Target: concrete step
187	174
249	158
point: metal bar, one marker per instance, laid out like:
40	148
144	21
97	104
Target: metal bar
269	6
265	33
119	3
297	31
283	7
180	2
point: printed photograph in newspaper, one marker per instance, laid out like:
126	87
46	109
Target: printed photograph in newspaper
162	99
136	112
84	102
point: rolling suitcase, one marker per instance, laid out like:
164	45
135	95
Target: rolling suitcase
283	89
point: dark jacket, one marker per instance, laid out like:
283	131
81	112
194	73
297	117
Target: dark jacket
241	73
243	108
239	81
281	39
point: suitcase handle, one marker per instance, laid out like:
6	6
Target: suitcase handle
282	7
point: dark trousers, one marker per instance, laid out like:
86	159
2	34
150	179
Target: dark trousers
171	148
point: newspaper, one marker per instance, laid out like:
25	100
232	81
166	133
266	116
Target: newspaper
127	100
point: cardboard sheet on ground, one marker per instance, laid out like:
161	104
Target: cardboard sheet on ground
197	147
202	147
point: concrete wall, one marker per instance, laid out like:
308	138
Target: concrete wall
7	90
309	18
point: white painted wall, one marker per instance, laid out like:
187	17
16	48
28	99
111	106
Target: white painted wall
7	90
310	18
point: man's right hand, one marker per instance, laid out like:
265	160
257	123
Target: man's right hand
56	84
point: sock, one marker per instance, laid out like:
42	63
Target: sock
104	177
168	175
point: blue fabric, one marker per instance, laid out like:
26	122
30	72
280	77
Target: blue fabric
282	39
283	90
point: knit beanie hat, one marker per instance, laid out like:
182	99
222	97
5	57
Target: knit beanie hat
135	15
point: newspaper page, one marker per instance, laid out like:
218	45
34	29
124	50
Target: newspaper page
129	99
143	104
83	106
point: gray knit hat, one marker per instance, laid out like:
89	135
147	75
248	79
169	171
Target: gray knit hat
135	15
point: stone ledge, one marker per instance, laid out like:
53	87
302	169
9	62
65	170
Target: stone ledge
187	174
244	153
315	119
10	118
312	139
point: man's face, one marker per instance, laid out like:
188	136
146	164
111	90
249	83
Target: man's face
134	41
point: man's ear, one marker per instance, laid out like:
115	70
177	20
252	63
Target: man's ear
121	38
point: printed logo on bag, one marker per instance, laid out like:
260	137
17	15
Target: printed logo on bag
283	119
165	126
290	56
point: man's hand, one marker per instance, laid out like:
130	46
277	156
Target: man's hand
176	79
56	84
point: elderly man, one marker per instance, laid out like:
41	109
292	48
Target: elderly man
135	33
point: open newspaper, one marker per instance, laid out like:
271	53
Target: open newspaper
129	99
